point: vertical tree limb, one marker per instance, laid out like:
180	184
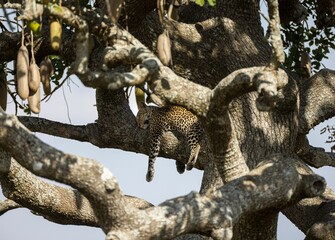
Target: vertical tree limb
275	40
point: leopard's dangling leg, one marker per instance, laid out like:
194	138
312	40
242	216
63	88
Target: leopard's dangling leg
154	150
193	156
180	167
193	138
151	169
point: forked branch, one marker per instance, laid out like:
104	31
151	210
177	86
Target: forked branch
55	203
45	161
274	184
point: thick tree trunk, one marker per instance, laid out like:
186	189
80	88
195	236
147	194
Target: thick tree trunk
238	43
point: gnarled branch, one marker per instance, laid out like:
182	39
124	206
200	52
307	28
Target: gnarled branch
317	96
315	157
274	183
55	203
279	184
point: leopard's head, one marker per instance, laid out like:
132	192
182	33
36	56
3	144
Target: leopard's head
143	117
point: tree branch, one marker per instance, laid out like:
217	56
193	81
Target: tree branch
275	40
179	91
7	205
45	161
315	157
118	134
118	218
57	204
317	100
36	124
279	184
314	216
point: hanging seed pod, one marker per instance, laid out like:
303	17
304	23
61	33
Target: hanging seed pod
3	91
34	101
34	72
22	70
164	48
55	34
46	70
34	77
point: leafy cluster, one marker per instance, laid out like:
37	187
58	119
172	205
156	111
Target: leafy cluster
306	37
317	42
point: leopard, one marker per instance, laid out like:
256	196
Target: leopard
171	118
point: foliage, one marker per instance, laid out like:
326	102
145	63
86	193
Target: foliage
306	37
59	67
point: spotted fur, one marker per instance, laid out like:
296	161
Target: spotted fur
161	120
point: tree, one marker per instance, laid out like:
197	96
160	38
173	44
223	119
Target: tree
254	111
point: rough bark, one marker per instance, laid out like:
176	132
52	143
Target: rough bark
55	203
109	203
222	73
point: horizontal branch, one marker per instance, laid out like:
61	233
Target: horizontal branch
124	135
116	80
36	124
11	5
57	204
274	184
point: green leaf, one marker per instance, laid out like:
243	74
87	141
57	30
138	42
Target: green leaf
212	2
200	2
